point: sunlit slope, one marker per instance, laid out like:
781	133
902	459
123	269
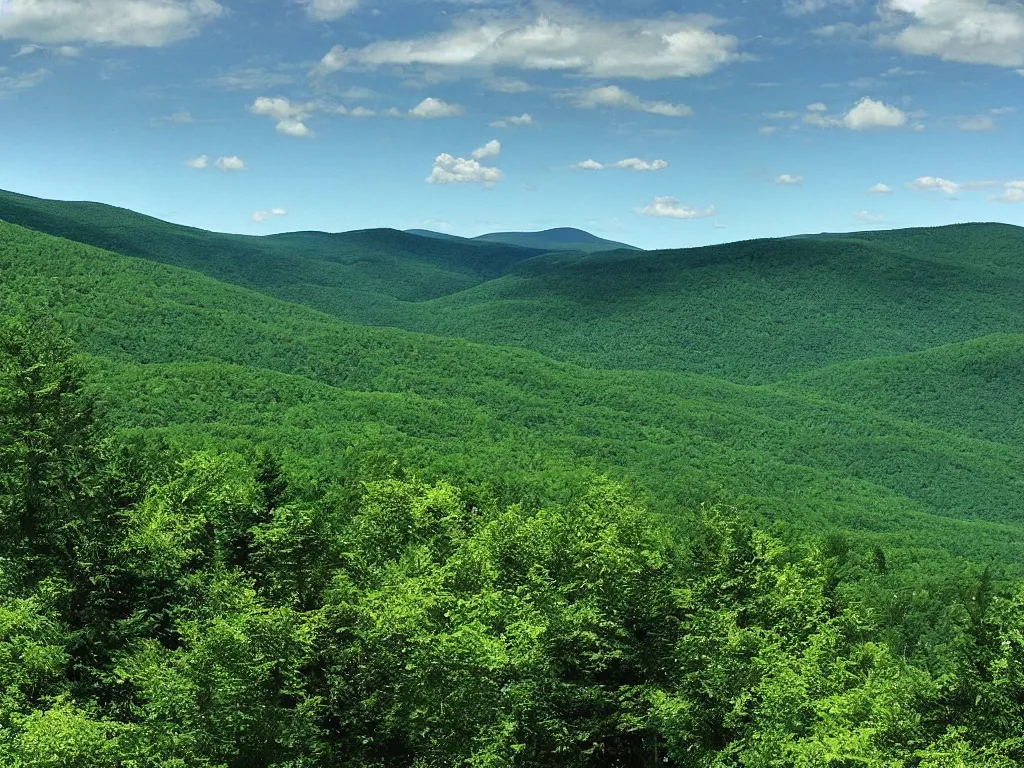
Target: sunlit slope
361	276
976	387
204	359
753	311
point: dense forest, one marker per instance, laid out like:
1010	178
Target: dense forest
380	499
161	609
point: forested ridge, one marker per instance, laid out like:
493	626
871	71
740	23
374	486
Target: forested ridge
241	529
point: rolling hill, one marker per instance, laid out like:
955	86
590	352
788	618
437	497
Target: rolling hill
750	312
363	276
558	239
207	363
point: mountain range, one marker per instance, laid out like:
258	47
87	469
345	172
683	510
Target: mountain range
864	383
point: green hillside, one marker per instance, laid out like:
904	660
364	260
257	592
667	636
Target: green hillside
751	312
558	239
976	387
204	361
362	276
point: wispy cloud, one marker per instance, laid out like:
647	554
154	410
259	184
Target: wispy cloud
614	96
670	208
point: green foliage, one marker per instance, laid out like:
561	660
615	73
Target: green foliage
237	565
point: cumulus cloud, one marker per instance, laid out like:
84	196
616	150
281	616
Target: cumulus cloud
968	31
490	149
522	120
198	162
866	115
561	40
124	23
781	115
260	216
289	117
636	164
431	108
670	208
936	182
233	163
817	107
880	189
768	130
789	180
866	217
590	165
460	170
1012	193
614	96
329	10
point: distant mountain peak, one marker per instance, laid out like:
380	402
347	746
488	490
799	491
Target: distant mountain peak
555	239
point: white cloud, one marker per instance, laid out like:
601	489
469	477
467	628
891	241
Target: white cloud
628	164
522	120
329	10
431	108
789	180
294	128
768	130
67	51
460	170
490	149
233	163
1013	193
1003	111
969	31
670	208
976	123
198	162
124	23
866	115
260	216
22	81
562	40
782	115
936	182
636	164
880	189
289	117
867	217
817	107
614	96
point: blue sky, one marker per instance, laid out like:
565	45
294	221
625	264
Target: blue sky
738	119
